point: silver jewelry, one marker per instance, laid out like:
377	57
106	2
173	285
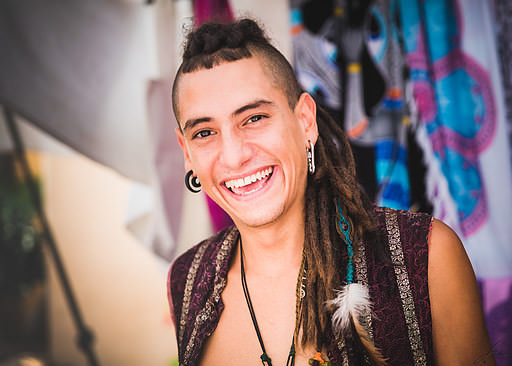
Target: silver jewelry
311	158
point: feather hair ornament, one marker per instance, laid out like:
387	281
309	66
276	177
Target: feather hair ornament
353	300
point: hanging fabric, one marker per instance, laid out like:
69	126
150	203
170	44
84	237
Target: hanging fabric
315	61
452	54
503	19
391	120
320	67
216	10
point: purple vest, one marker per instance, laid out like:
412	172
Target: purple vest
400	323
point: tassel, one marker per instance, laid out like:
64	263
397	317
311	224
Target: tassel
349	305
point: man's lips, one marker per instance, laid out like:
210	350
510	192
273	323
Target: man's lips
242	185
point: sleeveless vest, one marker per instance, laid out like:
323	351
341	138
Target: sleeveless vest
400	322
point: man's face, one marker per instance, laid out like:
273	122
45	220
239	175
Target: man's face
244	142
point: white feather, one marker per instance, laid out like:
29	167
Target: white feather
351	302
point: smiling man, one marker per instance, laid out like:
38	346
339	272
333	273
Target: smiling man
311	272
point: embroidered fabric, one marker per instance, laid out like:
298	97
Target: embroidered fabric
198	277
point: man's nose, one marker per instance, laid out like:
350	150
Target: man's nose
235	150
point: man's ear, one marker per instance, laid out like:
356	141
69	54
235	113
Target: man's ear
184	148
306	113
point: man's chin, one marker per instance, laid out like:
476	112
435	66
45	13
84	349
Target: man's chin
260	219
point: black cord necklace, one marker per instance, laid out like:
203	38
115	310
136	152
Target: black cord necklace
265	359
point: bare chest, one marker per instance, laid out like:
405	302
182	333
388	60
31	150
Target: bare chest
235	340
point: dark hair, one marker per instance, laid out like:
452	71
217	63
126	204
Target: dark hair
335	178
215	43
325	251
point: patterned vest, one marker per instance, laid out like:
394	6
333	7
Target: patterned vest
400	322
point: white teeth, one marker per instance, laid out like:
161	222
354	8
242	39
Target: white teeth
242	182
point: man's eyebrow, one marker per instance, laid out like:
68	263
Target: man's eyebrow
252	105
189	124
195	121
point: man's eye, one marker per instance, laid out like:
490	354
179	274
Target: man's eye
255	118
202	134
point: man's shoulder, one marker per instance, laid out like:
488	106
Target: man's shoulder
412	229
404	218
403	229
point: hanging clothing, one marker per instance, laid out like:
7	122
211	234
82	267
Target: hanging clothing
218	10
503	19
359	80
391	121
452	54
319	69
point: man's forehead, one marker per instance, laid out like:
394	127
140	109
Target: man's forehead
226	87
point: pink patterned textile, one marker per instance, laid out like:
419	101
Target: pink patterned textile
206	10
400	324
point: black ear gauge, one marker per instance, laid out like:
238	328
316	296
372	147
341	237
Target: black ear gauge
192	182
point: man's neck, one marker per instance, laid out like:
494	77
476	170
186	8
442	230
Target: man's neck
274	248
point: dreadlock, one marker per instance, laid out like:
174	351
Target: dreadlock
335	176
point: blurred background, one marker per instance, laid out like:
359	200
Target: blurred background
93	208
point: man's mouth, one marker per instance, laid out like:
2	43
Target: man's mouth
250	183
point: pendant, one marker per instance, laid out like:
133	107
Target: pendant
318	360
